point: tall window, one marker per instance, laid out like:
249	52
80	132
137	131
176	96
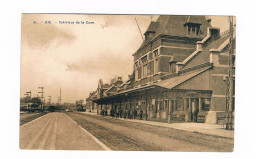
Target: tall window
160	105
136	70
156	66
139	72
143	105
155	53
166	105
180	104
205	104
145	70
144	59
136	74
172	106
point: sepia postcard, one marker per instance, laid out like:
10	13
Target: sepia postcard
127	82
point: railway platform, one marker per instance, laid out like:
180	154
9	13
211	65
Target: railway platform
202	128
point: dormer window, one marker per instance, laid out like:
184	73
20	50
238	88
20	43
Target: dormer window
148	35
151	31
193	28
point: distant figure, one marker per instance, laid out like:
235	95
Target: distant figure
135	113
125	113
105	112
128	114
120	113
132	113
117	114
141	114
111	113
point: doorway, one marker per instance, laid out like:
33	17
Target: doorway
194	109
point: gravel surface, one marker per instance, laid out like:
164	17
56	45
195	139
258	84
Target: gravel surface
25	118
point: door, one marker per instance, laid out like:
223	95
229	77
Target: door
194	109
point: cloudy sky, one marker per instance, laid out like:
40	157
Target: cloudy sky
74	57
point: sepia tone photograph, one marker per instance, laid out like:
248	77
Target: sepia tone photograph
108	82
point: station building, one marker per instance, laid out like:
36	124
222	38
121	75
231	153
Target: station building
180	73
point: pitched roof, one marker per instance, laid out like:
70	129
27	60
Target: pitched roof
194	19
173	25
92	95
152	27
106	86
167	84
177	58
110	88
175	81
203	56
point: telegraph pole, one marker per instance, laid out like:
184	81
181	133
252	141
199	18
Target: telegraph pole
42	96
30	94
59	101
26	97
49	99
230	87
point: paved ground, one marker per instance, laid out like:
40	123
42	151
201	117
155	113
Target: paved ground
57	131
129	135
203	128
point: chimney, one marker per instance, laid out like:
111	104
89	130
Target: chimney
209	20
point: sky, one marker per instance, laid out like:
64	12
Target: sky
73	57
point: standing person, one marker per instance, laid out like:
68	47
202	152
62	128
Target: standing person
141	114
125	113
132	113
111	111
117	113
128	114
120	113
135	113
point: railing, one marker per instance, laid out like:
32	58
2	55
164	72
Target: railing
227	32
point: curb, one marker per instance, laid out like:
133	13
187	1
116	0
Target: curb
92	136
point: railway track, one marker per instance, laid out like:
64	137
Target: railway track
111	138
218	143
